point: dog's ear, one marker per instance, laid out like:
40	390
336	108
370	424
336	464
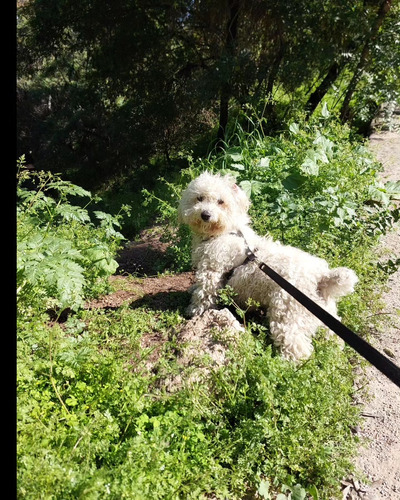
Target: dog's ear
241	198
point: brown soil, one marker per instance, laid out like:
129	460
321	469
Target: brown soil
160	293
379	457
136	281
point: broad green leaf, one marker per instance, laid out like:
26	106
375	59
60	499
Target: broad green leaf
235	154
379	195
325	147
251	187
298	492
393	189
263	489
294	128
293	181
309	165
238	166
264	162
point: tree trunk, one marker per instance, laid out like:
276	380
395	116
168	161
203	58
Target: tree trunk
318	94
364	58
226	87
269	113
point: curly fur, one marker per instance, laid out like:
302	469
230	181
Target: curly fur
216	209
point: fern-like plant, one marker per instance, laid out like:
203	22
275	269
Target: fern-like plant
62	254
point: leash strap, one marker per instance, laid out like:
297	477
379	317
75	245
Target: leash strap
381	362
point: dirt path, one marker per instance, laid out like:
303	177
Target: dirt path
379	459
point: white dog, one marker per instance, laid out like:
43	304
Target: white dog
215	209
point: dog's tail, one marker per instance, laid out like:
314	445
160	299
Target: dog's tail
337	283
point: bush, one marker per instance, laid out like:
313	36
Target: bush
62	256
101	426
94	419
316	186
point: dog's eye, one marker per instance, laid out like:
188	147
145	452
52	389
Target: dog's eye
200	198
221	202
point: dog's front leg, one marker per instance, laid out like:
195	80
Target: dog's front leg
205	292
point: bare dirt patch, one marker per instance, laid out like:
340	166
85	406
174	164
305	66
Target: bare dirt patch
137	281
379	458
143	257
156	292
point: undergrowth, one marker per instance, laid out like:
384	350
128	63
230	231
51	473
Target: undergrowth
94	419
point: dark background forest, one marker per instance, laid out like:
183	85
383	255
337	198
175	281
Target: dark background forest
110	89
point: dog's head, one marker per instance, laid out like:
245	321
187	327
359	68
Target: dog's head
213	204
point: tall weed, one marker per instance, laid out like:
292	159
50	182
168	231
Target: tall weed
63	256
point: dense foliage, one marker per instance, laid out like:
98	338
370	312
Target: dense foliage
94	417
62	256
132	99
315	186
105	87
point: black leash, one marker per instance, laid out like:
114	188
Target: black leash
381	362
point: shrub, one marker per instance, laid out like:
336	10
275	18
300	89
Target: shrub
316	186
101	426
62	256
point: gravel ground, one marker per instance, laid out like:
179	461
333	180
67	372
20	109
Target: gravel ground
379	458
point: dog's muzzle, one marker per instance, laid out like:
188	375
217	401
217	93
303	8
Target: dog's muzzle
205	215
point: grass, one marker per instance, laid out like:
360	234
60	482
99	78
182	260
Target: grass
95	422
94	418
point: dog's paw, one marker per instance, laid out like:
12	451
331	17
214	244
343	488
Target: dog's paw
299	349
197	310
194	310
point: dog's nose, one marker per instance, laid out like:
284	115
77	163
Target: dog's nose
205	215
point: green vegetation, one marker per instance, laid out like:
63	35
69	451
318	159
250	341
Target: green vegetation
62	255
315	186
94	417
130	100
103	89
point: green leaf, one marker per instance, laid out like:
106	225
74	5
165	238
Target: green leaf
325	147
238	166
264	162
263	489
67	188
293	181
309	165
313	491
251	187
69	213
71	401
235	154
325	113
298	492
379	195
294	128
393	189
